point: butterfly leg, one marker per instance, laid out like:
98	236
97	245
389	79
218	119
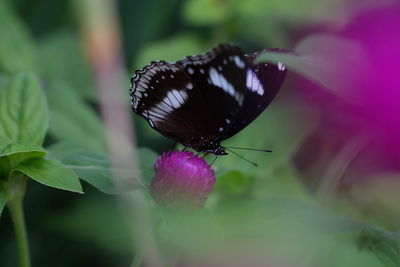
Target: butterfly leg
205	155
198	155
173	147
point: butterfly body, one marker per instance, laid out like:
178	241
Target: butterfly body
202	100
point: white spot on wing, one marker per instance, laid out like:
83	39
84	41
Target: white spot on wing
189	86
165	106
219	80
281	66
238	62
177	98
190	70
253	83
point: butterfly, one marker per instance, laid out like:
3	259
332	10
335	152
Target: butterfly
202	100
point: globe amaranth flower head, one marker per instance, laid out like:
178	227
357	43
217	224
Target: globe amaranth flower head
182	181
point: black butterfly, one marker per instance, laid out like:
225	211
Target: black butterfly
202	100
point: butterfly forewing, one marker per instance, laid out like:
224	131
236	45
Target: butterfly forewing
162	93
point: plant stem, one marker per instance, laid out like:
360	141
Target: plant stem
16	191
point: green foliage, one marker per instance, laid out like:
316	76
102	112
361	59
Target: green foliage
267	131
232	182
170	50
95	168
97	221
91	167
384	245
23	111
72	120
206	12
50	173
290	10
3	198
279	227
194	231
23	125
69	86
17	53
64	65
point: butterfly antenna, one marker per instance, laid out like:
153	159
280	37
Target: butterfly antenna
240	156
252	149
214	160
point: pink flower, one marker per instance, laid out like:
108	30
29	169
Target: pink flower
378	90
182	181
378	31
366	118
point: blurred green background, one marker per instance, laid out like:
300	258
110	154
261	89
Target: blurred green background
276	208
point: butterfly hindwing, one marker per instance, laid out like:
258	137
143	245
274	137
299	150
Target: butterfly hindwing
263	82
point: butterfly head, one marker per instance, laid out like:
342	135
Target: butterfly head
219	151
208	146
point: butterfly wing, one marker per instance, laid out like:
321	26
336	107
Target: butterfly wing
262	83
202	100
220	76
166	97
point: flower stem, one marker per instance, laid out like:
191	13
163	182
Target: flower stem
15	192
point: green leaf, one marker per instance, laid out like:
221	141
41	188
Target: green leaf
384	245
92	167
12	154
291	11
72	120
323	58
23	111
29	150
50	173
195	231
232	182
95	168
17	52
172	49
67	67
206	12
3	198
